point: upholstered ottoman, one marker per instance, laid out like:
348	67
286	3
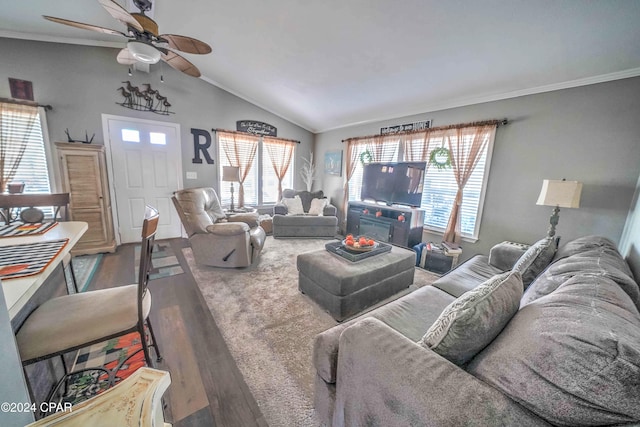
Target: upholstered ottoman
266	222
345	288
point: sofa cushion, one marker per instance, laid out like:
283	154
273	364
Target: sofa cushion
294	205
305	196
472	321
571	357
467	276
536	259
410	315
317	206
585	256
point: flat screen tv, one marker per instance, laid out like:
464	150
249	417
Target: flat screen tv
393	183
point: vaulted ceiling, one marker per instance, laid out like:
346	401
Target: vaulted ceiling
333	63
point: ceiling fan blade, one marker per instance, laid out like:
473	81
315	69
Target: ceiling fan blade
120	14
181	64
125	57
186	44
84	26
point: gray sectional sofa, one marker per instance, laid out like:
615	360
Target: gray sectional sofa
479	347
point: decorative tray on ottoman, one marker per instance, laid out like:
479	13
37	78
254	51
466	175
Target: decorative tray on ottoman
338	248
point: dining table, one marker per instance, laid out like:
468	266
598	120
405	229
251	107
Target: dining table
17	296
18	291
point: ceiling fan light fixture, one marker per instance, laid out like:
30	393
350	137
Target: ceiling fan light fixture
143	52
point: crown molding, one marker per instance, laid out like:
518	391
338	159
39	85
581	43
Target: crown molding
56	39
463	102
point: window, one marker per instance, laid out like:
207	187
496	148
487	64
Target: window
389	153
440	190
158	138
130	135
33	169
261	182
440	186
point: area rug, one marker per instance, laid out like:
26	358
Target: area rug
269	326
163	263
101	366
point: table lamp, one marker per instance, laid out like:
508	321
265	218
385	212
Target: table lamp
559	194
231	174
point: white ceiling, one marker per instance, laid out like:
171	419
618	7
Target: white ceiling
333	63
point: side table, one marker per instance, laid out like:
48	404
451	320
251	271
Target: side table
136	401
439	260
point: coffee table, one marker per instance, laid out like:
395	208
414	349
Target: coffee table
345	288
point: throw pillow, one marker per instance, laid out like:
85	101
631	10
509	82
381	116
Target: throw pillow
536	259
294	206
317	206
471	322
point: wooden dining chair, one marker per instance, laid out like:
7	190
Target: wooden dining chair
71	322
9	203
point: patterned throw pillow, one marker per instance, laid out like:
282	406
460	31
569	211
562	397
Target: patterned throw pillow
471	322
317	206
294	206
536	259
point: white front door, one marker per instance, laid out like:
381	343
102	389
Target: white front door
146	168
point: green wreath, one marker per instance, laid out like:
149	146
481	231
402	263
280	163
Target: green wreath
366	157
440	158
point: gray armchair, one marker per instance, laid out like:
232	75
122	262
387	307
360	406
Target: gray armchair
304	225
218	240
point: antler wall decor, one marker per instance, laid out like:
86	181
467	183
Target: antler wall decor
144	100
86	139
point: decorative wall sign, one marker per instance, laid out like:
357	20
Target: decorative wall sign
256	128
406	127
144	100
21	89
333	163
201	147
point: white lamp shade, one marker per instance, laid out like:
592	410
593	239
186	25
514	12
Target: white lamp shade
231	174
144	52
564	194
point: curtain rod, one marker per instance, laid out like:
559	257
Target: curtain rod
253	134
439	128
25	102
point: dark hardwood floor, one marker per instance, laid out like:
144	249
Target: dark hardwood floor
207	389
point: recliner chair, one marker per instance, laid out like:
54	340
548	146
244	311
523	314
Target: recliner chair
216	239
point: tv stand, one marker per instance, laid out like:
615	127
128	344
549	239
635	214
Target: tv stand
400	225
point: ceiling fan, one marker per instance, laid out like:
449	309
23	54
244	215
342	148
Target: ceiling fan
144	43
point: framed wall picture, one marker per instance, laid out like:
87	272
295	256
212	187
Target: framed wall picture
333	163
21	89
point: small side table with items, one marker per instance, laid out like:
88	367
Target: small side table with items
439	259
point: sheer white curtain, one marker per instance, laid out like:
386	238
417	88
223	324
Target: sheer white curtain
280	152
466	146
240	151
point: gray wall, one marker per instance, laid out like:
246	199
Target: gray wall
588	133
80	83
630	241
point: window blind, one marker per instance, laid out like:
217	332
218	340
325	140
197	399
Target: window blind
33	169
440	186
